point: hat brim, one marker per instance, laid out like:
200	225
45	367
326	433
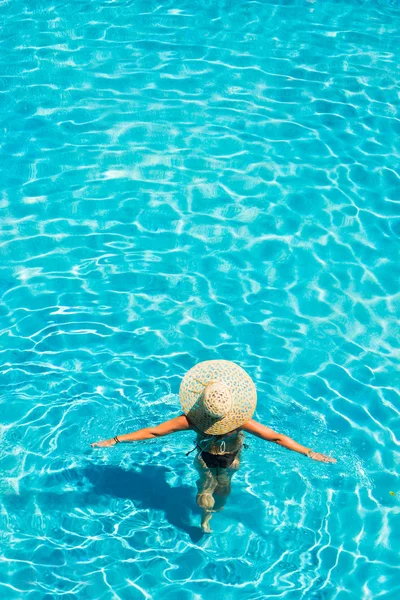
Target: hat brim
241	386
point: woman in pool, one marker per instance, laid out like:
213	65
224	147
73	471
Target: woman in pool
218	399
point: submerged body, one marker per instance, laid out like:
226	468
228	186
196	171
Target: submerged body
217	460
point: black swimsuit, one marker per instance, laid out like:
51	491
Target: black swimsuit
223	461
214	461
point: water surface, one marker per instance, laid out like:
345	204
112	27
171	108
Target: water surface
187	182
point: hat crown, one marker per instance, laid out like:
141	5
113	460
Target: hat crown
217	400
232	407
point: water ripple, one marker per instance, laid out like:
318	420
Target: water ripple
181	185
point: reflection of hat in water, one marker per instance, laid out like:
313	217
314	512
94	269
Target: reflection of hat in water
217	396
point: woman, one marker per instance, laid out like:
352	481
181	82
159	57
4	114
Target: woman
218	399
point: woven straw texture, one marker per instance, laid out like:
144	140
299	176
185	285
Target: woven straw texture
240	385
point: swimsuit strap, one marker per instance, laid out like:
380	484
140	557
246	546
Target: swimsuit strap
193	449
222	444
198	446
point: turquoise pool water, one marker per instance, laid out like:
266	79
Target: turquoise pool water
182	183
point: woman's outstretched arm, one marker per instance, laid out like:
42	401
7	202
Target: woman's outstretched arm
178	424
265	433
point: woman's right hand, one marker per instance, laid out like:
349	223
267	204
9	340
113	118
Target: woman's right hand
104	443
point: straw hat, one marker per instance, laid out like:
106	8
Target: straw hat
217	396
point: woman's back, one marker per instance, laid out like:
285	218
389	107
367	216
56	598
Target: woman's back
219	444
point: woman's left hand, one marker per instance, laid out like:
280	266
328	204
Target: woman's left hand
104	443
321	457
